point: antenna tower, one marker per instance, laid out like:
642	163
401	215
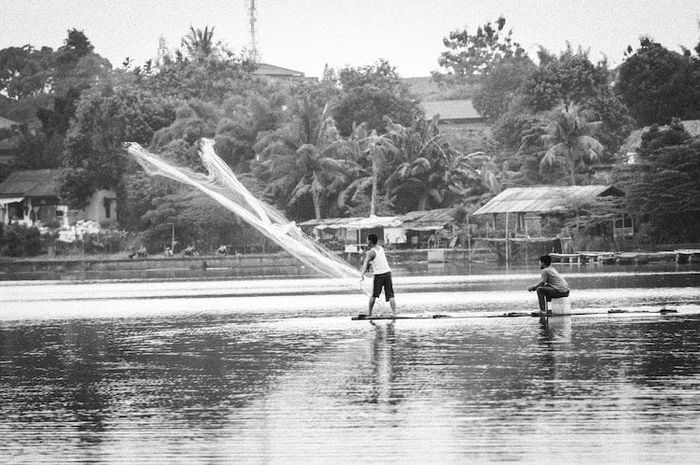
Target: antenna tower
252	19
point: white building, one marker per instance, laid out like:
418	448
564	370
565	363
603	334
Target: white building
32	198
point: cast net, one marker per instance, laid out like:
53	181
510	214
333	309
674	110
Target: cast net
222	185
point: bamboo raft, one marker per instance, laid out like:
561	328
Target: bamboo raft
626	258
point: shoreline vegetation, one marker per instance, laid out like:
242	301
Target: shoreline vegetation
355	142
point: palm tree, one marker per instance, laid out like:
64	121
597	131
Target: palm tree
305	157
569	136
421	173
199	44
369	149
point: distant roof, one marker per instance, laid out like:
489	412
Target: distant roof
32	183
544	199
353	223
7	123
424	87
450	110
427	220
265	69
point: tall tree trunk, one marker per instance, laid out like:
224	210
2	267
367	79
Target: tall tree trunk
572	168
423	202
316	197
374	185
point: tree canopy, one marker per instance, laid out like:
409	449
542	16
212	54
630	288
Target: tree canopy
663	188
472	56
303	160
356	142
658	84
369	94
568	79
106	118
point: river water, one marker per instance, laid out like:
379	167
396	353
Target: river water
275	371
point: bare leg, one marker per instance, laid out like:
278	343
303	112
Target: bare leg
392	303
371	305
542	298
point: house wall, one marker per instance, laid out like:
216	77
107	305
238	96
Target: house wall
533	225
42	211
10	211
467	137
101	208
34	212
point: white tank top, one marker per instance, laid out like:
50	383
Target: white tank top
379	263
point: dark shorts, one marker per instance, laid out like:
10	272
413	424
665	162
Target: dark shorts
383	281
546	294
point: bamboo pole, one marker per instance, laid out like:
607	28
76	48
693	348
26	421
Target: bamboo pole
507	254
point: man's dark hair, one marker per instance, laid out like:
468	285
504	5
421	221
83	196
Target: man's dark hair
372	238
546	259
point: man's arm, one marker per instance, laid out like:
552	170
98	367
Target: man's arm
369	256
543	281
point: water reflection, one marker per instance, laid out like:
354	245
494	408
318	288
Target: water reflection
555	330
382	350
301	384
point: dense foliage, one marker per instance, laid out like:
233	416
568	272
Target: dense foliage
371	93
470	56
490	62
19	241
658	84
355	143
664	185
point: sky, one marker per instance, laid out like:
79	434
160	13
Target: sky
305	35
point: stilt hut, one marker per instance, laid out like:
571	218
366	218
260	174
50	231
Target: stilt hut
522	213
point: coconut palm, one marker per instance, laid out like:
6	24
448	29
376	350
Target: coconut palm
569	136
305	157
372	151
423	161
199	43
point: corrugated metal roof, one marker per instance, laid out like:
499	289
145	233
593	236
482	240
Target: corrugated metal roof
32	183
543	199
451	110
427	219
272	70
353	223
430	219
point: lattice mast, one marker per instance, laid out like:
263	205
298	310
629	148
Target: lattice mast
252	19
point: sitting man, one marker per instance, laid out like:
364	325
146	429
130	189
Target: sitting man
551	284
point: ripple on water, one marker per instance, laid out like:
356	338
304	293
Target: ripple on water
222	386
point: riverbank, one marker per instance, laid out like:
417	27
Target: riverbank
274	265
283	265
628	258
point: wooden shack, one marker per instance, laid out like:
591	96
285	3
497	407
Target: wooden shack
523	213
